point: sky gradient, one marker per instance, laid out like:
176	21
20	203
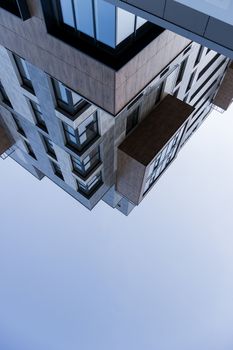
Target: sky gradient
159	279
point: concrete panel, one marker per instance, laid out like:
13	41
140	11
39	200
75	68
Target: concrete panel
224	97
154	7
135	76
130	175
185	17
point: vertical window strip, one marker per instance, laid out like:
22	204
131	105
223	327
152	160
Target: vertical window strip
105	21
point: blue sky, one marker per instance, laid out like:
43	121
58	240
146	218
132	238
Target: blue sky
159	279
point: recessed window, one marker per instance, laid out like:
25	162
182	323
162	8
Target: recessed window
57	170
19	126
181	71
209	64
190	83
29	149
17	7
158	93
175	93
38	115
208	79
199	54
86	132
164	72
3	96
132	120
24	73
49	147
85	166
98	28
187	50
91	186
67	99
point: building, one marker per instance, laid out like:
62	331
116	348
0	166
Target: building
98	99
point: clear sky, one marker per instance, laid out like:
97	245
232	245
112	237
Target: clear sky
159	279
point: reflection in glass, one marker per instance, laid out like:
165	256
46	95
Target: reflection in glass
67	12
140	22
84	16
125	25
105	22
100	20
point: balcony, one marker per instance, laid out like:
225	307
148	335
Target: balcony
151	147
224	96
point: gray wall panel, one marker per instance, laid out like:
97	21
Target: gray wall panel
220	32
155	7
185	17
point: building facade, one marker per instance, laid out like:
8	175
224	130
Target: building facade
98	99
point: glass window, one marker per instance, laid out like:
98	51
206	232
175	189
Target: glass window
100	20
85	132
125	25
39	116
89	187
67	99
57	170
163	159
132	120
140	22
29	149
158	93
105	22
181	71
84	16
49	147
85	166
18	123
24	73
199	54
190	83
3	96
67	12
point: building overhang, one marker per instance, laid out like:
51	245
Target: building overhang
224	96
5	140
141	147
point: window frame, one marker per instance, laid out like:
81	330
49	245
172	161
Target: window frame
68	107
3	96
94	10
88	191
29	149
26	82
57	170
81	170
114	58
19	126
49	147
78	146
40	122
